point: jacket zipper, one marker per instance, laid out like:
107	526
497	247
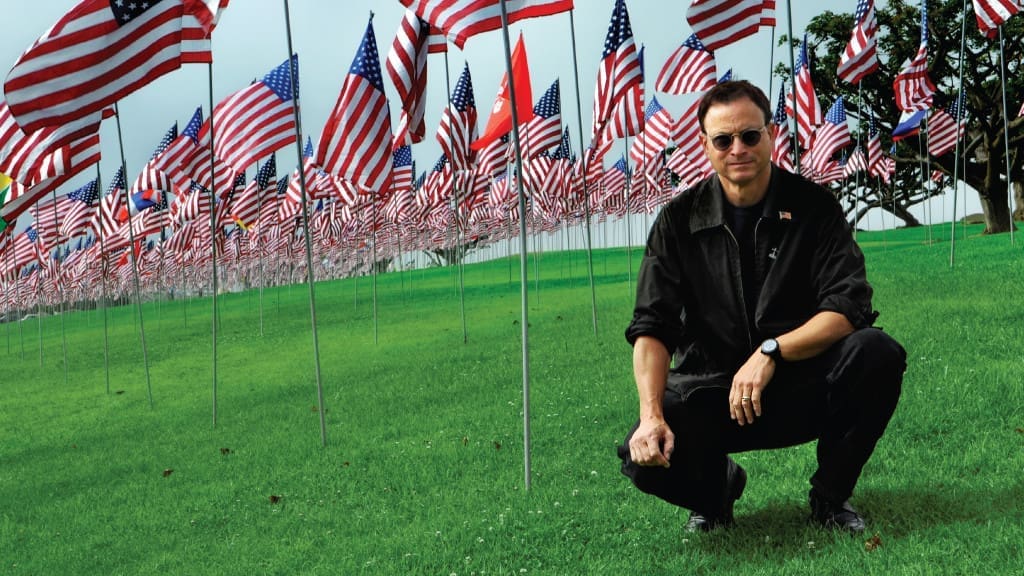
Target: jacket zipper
739	281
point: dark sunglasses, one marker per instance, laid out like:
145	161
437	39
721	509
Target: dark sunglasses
750	138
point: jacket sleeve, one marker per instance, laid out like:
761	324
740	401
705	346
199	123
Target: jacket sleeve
659	285
840	276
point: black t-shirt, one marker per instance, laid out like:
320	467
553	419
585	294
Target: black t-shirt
742	221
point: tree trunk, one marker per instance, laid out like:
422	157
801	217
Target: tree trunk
1018	196
997	212
904	214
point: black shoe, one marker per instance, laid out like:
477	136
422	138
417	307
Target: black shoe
735	481
833	516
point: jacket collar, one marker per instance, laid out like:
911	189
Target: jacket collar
707	211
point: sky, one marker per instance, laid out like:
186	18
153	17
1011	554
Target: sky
252	38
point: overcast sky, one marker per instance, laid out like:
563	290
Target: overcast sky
251	40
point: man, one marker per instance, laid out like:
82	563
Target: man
751	282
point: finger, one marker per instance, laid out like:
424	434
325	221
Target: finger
668	448
755	402
748	408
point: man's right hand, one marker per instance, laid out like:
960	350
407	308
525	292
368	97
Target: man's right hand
652	443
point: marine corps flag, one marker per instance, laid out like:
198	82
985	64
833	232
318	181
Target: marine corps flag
500	121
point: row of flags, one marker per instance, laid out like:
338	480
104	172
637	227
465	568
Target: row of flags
48	128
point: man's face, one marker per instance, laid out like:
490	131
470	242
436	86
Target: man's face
740	163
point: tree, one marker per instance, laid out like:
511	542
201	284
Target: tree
984	145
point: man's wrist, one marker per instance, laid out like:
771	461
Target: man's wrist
770	347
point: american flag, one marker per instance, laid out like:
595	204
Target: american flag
855	163
659	130
407	66
149	178
544	131
627	117
875	167
105	223
808	109
458	124
768	13
614	181
246	206
494	158
257	120
47	215
356	140
691	68
860	57
402	166
29	158
719	23
833	135
782	149
688	136
80	204
619	70
83	153
913	87
174	160
946	126
991	14
96	54
461	19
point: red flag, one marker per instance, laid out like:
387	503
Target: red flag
461	19
96	54
500	121
356	141
719	23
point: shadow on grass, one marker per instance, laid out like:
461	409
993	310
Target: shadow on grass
893	513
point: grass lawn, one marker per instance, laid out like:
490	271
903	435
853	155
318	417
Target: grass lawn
423	469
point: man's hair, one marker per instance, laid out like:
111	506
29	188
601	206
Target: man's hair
731	91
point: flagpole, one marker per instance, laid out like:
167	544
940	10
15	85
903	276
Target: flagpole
771	60
60	290
455	203
524	286
39	297
213	242
373	258
131	256
926	179
259	241
103	278
956	153
305	228
1006	135
856	195
792	68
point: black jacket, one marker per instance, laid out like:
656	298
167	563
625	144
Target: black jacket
690	289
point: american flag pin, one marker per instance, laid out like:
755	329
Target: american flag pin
784	215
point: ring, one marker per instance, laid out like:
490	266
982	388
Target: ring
745	399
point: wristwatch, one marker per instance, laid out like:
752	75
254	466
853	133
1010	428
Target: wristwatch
770	348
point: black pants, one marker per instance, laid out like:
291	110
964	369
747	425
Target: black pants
843	398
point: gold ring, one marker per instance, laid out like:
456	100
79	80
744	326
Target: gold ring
745	399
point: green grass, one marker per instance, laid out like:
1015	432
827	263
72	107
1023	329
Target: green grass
423	471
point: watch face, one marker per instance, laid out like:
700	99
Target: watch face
769	346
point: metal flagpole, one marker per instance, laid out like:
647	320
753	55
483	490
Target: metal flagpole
305	227
956	153
213	244
103	278
926	177
259	244
60	292
792	69
523	285
856	196
1006	135
454	205
373	258
39	298
131	259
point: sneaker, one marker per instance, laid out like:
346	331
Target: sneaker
736	480
835	516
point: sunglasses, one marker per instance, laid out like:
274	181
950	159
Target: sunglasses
750	138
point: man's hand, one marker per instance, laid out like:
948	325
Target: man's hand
747	386
652	443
